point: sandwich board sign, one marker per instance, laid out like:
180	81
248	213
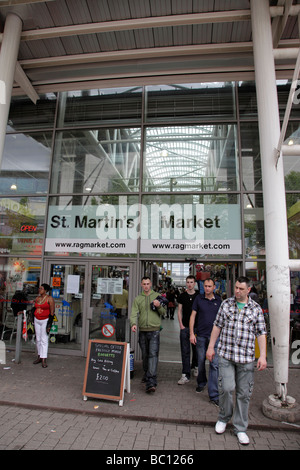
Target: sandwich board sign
107	370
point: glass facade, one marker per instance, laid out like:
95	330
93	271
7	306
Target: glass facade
94	107
26	163
199	102
191	158
86	162
22	225
93	161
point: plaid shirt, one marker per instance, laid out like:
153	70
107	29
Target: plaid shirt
239	330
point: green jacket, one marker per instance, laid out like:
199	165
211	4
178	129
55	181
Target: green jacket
142	314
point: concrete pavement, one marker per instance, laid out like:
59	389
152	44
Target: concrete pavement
44	408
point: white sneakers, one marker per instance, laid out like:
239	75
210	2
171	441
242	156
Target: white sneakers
242	436
220	427
183	380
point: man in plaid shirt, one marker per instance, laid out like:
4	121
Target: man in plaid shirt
239	321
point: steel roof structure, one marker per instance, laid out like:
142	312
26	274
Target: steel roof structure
84	44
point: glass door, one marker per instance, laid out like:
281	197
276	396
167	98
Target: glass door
91	302
68	291
108	308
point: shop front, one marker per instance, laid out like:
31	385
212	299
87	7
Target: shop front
91	302
116	183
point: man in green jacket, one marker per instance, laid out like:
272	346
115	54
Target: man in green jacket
149	323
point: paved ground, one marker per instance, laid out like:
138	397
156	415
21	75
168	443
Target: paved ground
44	409
27	429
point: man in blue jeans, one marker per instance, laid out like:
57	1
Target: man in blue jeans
146	313
239	321
205	309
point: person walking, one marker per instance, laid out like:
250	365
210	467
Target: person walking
44	314
171	304
149	322
239	321
185	304
205	308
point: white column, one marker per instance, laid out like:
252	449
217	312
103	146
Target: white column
8	59
276	236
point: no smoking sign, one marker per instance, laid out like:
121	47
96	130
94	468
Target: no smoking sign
108	330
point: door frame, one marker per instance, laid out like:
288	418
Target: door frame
231	277
88	263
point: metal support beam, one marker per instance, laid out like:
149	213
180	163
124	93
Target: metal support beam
9	3
290	150
136	23
276	235
295	264
212	17
23	81
286	53
8	59
280	22
138	54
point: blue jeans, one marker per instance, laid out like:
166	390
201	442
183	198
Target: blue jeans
238	377
149	343
202	345
185	347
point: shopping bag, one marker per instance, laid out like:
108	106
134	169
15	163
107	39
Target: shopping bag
24	330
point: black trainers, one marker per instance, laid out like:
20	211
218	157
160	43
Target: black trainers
150	389
215	402
199	389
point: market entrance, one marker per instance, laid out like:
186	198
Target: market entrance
170	277
91	302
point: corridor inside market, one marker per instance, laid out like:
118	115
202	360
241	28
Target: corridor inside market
171	277
169	340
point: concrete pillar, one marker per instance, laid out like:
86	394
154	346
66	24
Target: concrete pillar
276	235
8	59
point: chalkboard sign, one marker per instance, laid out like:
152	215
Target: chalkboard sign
106	370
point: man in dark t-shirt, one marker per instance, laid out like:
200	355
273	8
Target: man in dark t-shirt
185	304
205	309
